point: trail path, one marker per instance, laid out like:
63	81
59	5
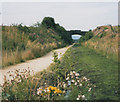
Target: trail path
36	64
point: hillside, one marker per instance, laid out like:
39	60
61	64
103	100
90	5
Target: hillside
21	43
105	41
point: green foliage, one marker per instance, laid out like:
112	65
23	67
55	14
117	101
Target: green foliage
103	34
87	36
13	40
24	29
105	41
48	22
63	33
105	28
113	35
38	39
101	71
16	89
78	60
55	56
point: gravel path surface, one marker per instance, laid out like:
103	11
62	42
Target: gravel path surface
36	64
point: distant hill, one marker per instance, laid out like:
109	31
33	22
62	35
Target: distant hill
105	41
20	43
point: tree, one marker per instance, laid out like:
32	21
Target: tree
87	36
48	22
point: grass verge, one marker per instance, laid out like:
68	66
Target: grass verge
102	72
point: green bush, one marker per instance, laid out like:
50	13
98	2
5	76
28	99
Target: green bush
113	35
48	22
103	34
87	36
105	28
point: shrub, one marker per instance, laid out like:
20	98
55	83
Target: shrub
113	35
87	36
103	34
48	22
105	28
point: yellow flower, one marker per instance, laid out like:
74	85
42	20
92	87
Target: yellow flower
57	91
54	89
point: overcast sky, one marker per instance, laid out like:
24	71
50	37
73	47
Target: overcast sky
77	15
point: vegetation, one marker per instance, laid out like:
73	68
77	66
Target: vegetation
104	41
48	22
21	43
86	37
82	74
87	71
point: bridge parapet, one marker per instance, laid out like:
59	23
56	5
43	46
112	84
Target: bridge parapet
71	32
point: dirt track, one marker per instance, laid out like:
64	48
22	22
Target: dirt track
36	64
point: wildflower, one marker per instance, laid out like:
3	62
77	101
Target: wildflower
57	91
83	96
45	90
80	84
84	78
77	77
67	78
78	98
68	74
72	76
69	83
48	91
64	91
39	91
54	89
89	89
75	83
94	85
78	81
74	72
77	74
71	73
64	85
19	81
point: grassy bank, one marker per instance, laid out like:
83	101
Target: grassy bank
103	72
105	41
98	78
21	43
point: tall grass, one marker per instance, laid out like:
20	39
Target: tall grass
81	74
14	57
21	43
105	42
50	84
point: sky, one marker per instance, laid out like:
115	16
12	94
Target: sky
76	37
70	15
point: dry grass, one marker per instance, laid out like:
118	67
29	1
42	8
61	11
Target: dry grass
19	46
11	58
105	41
